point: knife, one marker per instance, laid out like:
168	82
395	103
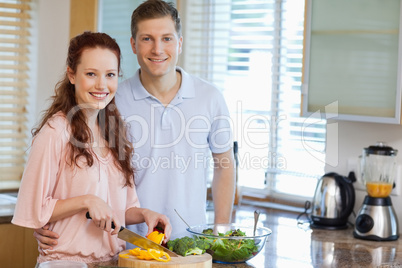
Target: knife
139	240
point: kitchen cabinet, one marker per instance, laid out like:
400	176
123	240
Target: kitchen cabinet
18	247
83	16
352	60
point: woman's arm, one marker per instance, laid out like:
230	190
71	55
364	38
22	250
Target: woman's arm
101	213
46	238
68	207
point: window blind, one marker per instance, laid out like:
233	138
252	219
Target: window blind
253	51
14	66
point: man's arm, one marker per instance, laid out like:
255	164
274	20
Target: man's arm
46	238
223	186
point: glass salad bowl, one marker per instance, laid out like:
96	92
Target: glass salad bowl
231	243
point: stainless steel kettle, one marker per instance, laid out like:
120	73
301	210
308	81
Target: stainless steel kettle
333	201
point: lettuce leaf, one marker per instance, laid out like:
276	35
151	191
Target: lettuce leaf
236	250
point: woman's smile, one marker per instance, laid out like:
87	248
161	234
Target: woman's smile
100	95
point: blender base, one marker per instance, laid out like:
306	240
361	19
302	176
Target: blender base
328	227
375	238
376	220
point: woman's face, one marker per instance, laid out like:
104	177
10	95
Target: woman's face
96	78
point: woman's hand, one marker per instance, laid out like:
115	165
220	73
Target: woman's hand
102	214
153	219
136	215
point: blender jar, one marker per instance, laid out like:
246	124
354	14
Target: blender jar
379	169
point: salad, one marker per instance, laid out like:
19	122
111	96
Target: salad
230	250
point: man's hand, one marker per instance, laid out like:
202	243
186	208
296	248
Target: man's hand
46	238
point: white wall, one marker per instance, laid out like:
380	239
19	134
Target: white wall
346	145
53	26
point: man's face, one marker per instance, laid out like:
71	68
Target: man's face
157	46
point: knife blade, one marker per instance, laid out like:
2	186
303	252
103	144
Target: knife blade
138	240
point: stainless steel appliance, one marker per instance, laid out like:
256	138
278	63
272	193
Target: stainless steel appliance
376	219
333	201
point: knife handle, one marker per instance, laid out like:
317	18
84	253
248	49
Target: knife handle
89	217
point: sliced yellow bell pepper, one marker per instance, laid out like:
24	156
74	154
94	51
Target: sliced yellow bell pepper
150	254
135	251
124	255
158	255
156	236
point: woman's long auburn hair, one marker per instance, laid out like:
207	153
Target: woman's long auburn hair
112	126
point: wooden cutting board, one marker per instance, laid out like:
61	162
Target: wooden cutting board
194	261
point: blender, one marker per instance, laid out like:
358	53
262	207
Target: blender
376	219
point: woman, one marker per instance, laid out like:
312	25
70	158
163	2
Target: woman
80	161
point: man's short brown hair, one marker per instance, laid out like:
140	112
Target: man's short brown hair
152	9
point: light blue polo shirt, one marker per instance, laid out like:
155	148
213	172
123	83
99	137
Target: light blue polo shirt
173	146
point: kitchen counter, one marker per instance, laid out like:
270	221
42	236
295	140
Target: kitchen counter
297	245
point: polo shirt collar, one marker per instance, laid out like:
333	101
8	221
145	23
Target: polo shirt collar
139	92
186	90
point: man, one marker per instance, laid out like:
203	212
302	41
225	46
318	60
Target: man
176	121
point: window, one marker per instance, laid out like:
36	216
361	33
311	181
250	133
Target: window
15	29
253	51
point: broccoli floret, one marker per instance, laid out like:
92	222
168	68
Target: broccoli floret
208	231
186	246
195	251
171	243
203	244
